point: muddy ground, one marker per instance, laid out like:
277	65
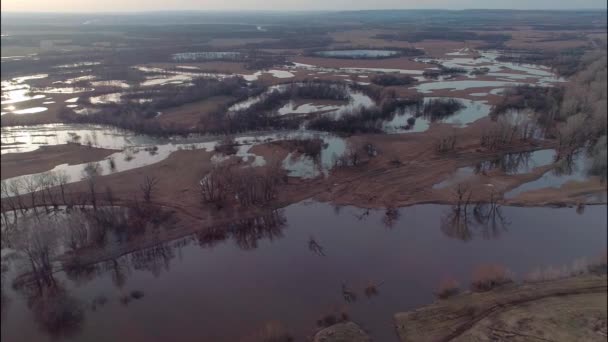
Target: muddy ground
47	157
572	309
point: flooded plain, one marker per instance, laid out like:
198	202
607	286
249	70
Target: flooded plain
248	268
138	150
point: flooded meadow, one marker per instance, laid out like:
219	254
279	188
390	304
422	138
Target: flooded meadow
268	183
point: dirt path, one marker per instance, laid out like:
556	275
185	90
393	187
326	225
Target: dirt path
571	309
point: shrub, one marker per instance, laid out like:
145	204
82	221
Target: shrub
490	276
227	146
448	287
480	71
600	265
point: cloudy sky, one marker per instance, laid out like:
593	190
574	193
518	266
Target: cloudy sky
156	5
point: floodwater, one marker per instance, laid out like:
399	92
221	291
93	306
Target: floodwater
356	99
274	73
357	53
520	163
509	163
569	169
462	174
290	268
461	85
471	112
138	150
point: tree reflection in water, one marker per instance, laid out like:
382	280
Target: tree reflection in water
510	163
315	247
485	218
567	163
55	311
246	232
390	218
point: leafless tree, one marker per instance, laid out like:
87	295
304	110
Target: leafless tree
91	173
14	188
8	202
37	240
148	188
109	197
446	144
215	185
62	179
31	185
76	235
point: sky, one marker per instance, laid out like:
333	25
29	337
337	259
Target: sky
280	5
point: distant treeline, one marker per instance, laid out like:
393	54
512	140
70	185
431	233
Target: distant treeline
392	80
454	35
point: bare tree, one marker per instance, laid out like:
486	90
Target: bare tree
37	240
91	173
215	185
148	187
62	179
14	188
109	197
445	144
31	185
8	202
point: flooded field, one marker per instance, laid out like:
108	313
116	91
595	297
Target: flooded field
570	169
336	249
137	150
256	178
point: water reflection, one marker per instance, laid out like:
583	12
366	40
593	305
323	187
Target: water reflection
55	311
569	167
291	269
518	163
464	220
247	232
315	247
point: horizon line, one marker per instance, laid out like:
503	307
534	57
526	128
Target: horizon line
303	10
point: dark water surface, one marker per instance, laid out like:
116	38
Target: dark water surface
226	286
